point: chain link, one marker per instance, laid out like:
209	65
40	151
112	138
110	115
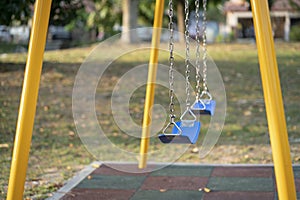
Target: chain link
171	60
187	59
204	24
187	54
198	76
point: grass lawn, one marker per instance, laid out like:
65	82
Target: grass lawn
57	152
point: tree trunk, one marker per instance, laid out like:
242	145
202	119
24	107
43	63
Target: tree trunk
129	23
180	20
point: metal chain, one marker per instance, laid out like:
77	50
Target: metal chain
198	76
171	60
187	54
204	23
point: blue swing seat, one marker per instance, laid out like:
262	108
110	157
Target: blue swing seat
189	134
205	108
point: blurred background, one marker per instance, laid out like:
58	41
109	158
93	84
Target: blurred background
77	26
74	22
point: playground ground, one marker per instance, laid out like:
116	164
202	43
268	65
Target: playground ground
175	182
57	152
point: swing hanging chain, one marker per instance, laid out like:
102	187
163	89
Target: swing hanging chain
187	54
198	76
204	24
171	60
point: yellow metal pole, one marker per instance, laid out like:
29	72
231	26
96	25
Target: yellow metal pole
158	16
273	100
28	100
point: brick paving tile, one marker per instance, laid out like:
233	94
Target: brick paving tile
167	195
174	183
203	171
98	194
111	182
243	171
105	170
241	184
222	195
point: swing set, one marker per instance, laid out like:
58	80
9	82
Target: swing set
187	129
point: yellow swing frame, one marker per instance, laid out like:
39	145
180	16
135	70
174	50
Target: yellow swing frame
270	83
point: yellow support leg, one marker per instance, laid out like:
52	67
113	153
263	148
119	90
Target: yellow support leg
150	90
28	100
273	100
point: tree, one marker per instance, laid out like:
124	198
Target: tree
15	11
180	19
146	12
19	12
129	21
103	15
64	11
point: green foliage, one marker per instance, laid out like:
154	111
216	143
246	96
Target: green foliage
79	21
63	12
228	38
104	16
15	11
214	12
295	33
97	14
19	12
146	12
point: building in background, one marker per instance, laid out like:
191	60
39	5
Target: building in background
239	18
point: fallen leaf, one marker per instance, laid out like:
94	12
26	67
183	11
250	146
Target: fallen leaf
95	165
296	158
71	133
4	145
247	113
46	108
205	189
195	150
